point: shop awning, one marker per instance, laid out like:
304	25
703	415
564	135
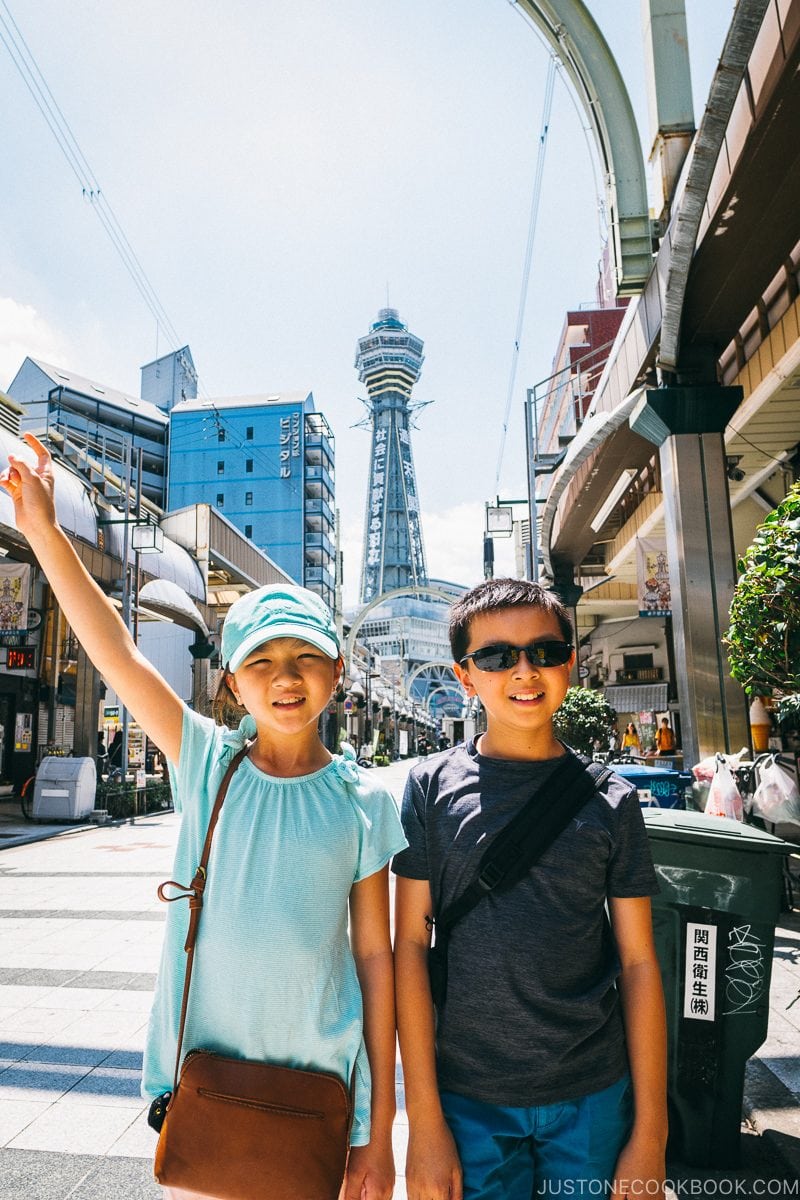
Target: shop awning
166	599
638	697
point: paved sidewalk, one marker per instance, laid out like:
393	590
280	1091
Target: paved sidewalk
80	931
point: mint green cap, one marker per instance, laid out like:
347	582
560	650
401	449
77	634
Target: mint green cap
277	611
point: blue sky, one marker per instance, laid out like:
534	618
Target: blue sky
277	166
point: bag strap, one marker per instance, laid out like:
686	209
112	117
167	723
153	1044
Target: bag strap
523	841
194	894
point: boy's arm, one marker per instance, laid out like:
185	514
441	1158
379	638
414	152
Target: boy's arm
91	615
641	993
433	1171
372	1166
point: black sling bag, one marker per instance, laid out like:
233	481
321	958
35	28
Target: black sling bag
515	849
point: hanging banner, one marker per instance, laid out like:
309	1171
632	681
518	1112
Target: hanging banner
652	576
15	583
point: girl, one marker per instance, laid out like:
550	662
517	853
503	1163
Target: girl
630	740
303	839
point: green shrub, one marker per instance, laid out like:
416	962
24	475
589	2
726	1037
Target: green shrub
763	639
119	799
583	718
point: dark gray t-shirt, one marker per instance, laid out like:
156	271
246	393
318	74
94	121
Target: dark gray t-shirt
532	1014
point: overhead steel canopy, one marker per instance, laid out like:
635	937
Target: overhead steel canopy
571	31
685	225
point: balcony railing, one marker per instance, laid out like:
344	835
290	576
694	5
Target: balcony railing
640	675
317	478
318	547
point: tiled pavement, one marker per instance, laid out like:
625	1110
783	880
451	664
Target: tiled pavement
80	932
80	935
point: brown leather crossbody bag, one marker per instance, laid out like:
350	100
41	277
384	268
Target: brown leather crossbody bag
241	1130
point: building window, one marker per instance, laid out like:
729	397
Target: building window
248	531
249	434
220	467
220	435
248	498
637	662
220	499
248	466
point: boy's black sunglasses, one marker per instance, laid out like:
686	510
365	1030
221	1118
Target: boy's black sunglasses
501	656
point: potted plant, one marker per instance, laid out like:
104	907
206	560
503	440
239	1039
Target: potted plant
763	639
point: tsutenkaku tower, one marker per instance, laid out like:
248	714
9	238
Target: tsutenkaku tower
389	360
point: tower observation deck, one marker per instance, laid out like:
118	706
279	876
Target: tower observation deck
389	361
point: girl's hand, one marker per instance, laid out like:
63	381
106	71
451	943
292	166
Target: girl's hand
31	488
370	1172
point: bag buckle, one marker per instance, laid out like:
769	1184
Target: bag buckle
490	876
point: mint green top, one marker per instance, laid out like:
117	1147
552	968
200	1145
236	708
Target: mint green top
273	977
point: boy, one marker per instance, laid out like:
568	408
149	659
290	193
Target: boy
547	1013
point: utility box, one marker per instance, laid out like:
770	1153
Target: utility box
714	925
661	786
64	789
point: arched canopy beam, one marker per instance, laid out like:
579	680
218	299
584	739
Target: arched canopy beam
426	666
575	38
414	589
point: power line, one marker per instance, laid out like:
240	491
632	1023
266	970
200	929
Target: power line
586	127
526	270
34	80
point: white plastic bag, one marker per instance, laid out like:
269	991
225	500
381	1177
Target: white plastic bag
724	798
776	797
705	769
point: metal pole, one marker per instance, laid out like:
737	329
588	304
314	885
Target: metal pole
532	439
126	590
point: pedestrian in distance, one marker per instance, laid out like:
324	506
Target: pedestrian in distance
665	738
541	1070
302	846
630	740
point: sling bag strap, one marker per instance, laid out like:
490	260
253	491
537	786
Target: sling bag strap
530	832
194	894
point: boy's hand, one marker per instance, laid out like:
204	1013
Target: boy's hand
640	1171
433	1171
370	1172
31	488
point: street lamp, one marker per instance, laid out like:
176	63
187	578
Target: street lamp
358	697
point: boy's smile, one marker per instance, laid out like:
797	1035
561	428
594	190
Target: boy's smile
519	701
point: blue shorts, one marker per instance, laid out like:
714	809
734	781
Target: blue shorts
566	1149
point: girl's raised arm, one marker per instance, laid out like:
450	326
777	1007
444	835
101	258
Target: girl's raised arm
92	616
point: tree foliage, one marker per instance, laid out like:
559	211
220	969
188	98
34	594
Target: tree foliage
583	717
763	639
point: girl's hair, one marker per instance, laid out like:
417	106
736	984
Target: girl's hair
225	708
496	594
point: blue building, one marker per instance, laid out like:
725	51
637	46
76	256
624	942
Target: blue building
169	379
267	463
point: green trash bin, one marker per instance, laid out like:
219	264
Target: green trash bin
714	924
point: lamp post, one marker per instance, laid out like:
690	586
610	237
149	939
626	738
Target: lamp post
358	697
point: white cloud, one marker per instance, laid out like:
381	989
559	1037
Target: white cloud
453	548
23	332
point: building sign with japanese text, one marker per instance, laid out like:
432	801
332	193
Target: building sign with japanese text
289	443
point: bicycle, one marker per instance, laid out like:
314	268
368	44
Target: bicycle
25	795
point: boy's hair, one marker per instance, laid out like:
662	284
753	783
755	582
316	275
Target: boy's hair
496	594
